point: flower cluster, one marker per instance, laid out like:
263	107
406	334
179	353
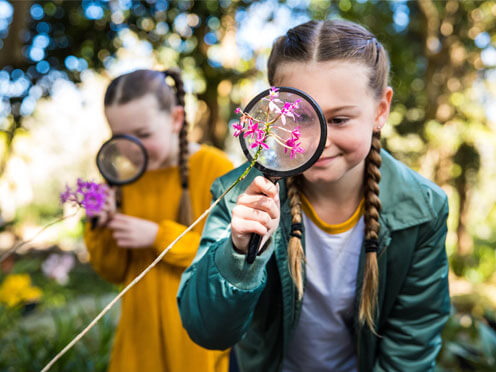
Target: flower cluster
89	195
17	289
260	131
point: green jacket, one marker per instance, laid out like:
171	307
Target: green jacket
225	302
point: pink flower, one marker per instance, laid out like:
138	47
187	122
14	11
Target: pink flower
296	133
252	130
259	141
289	110
295	147
238	129
238	110
273	94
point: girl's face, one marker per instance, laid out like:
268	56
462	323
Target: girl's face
157	129
350	108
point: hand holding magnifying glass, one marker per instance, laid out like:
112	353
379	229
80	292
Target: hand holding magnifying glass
121	160
284	131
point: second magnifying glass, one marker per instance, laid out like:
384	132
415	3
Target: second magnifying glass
121	160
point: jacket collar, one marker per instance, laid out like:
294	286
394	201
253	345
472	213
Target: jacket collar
404	199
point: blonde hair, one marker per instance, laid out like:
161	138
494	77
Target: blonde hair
136	84
324	41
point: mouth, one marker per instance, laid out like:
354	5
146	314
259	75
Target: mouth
324	160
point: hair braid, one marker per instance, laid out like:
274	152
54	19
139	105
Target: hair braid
185	214
368	301
296	256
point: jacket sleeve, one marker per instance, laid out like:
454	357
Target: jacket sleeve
107	259
183	252
411	338
219	291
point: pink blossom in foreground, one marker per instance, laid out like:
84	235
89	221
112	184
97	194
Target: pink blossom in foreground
252	130
259	141
238	129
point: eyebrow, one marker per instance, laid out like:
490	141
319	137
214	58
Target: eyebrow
336	110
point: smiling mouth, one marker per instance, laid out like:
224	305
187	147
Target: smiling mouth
325	159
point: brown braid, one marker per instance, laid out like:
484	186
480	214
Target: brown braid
296	256
368	301
185	214
319	41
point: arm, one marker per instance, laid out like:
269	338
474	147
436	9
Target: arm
206	169
219	291
411	338
108	260
183	252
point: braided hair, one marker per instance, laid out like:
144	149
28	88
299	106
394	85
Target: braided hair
325	41
136	84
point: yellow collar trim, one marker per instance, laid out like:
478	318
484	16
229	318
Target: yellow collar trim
328	228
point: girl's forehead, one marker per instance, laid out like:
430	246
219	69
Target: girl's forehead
135	114
337	82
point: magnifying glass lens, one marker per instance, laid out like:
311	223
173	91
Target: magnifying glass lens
122	160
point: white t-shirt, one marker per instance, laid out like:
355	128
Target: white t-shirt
321	340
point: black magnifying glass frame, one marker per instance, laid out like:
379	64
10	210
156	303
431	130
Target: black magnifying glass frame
274	175
112	182
128	137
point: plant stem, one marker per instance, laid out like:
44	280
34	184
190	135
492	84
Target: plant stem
15	247
153	264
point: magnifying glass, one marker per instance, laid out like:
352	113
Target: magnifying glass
121	160
285	131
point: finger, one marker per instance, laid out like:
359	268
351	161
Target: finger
119	235
262	185
241	227
125	243
247	213
260	202
116	224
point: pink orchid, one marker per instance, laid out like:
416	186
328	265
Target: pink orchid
238	129
296	133
252	129
295	147
259	141
273	94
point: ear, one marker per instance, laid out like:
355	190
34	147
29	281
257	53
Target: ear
383	108
177	115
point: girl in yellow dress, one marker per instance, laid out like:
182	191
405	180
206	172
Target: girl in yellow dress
155	209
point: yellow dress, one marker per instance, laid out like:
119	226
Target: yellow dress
150	336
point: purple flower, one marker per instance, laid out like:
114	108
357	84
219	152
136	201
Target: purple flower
89	195
259	141
238	129
66	195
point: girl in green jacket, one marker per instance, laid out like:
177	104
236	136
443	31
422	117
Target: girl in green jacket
349	279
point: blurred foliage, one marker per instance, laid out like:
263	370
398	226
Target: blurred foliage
443	59
29	347
470	346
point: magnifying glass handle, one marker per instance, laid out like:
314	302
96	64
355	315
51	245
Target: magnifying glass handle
255	239
253	247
